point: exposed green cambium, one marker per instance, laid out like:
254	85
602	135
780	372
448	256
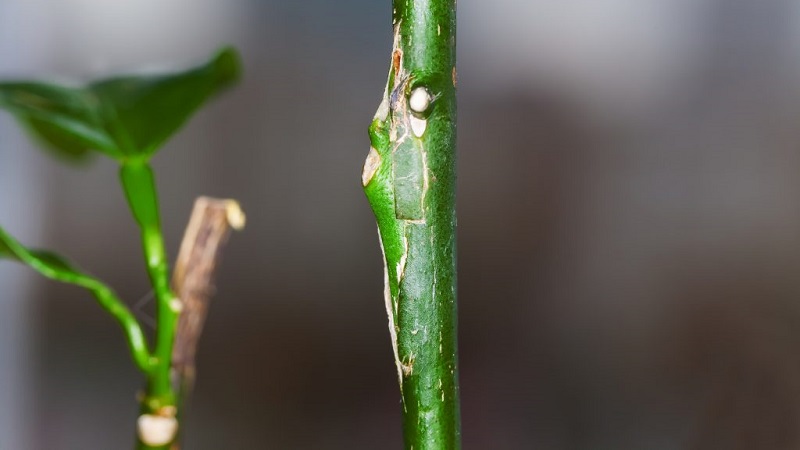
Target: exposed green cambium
409	179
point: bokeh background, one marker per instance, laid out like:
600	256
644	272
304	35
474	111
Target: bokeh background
629	226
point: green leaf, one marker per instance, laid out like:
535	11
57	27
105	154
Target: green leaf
60	144
63	117
123	117
146	111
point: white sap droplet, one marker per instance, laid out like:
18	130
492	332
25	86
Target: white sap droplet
156	430
420	100
418	126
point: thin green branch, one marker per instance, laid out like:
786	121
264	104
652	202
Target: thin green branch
56	268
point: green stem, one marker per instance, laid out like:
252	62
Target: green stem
409	179
139	185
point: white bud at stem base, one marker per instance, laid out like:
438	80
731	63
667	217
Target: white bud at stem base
156	430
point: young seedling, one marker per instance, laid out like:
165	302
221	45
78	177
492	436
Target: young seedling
128	119
409	179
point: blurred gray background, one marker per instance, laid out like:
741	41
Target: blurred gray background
629	226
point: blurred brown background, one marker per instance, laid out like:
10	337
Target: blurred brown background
629	226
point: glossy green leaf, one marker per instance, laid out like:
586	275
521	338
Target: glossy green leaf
123	117
143	112
57	268
63	117
59	143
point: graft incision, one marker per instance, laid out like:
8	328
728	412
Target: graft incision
396	148
408	161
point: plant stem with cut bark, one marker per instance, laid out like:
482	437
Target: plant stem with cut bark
409	179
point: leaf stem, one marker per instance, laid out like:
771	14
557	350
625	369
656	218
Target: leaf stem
138	183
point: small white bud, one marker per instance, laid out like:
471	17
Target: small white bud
156	430
420	100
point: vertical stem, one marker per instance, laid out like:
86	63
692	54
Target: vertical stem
157	425
409	179
140	190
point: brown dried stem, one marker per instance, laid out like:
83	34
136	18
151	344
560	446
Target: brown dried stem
209	226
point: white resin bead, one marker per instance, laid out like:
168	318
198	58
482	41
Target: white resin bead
420	100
